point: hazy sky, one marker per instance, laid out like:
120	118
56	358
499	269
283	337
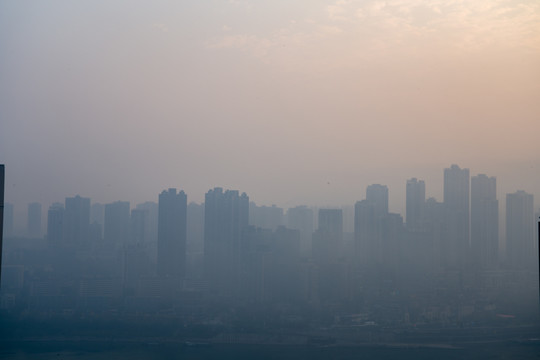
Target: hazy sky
293	102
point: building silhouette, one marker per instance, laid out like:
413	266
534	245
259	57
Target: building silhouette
484	222
455	245
151	224
266	217
76	220
328	239
521	247
137	226
415	194
97	216
327	245
301	218
55	225
369	220
226	215
172	232
377	195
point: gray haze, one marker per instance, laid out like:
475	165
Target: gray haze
304	103
191	176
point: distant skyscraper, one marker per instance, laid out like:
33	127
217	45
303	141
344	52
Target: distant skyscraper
55	224
521	247
368	222
226	215
435	226
151	226
77	220
484	221
137	226
172	233
34	220
301	218
377	195
266	217
327	244
366	242
116	228
456	201
327	240
97	215
415	203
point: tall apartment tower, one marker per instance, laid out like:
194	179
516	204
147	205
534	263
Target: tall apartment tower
34	220
327	240
116	223
369	216
377	195
77	220
151	223
172	233
327	244
226	215
415	203
484	222
521	247
301	218
456	200
137	226
55	224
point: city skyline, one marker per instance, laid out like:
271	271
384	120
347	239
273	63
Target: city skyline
397	202
292	179
270	217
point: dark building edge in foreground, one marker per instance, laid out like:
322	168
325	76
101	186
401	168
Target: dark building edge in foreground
2	174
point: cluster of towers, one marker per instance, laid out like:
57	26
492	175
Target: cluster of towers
460	233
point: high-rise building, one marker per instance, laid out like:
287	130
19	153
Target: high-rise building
76	220
415	203
97	216
55	224
369	217
521	247
377	195
484	222
137	226
365	233
301	218
117	221
34	220
435	227
151	226
226	215
172	232
266	217
328	239
327	244
456	201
